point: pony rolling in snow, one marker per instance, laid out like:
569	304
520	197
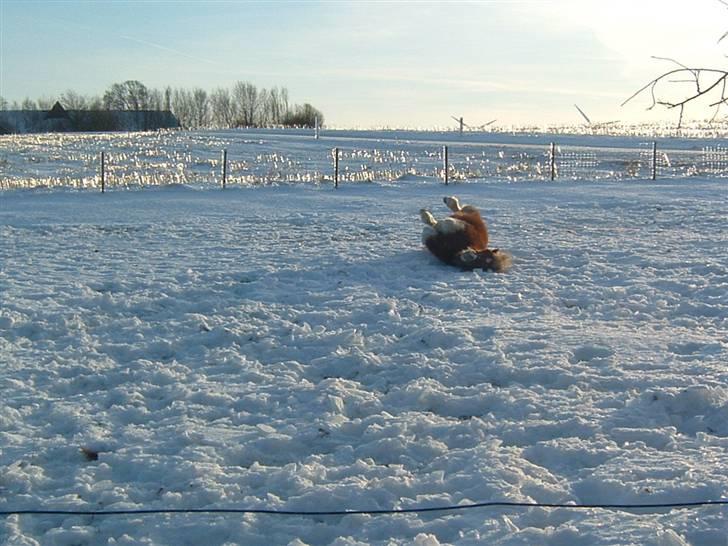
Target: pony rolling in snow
462	239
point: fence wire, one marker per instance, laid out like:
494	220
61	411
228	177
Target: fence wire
655	506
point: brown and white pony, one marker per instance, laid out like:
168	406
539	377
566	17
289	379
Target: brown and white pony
462	239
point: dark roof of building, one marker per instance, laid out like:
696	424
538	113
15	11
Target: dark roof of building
57	112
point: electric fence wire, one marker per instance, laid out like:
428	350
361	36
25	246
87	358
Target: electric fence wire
378	512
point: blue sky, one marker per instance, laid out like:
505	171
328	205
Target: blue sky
371	64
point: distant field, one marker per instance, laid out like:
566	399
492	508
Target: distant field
265	157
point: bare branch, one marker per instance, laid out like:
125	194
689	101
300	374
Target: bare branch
670	60
685	75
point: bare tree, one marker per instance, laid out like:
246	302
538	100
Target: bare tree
183	107
682	85
74	101
223	110
155	100
688	85
45	103
246	98
304	116
284	104
277	105
130	95
263	111
96	103
201	108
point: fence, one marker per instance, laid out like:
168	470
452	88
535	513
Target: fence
119	160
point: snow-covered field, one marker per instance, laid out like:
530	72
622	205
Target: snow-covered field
294	348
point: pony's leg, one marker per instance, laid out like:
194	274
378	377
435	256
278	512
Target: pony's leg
427	217
452	203
430	225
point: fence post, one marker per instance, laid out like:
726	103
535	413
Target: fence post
103	173
224	168
445	165
654	160
336	167
552	161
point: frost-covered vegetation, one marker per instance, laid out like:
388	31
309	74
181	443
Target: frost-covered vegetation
264	157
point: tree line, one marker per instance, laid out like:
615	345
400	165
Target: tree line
242	105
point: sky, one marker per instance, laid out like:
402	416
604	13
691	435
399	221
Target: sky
371	64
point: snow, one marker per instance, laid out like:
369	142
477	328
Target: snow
293	347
